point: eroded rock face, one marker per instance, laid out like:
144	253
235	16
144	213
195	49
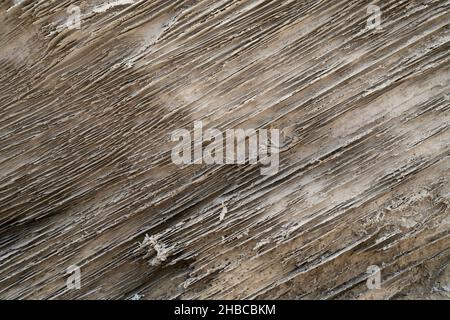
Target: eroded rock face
87	107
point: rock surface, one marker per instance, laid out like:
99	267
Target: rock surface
86	177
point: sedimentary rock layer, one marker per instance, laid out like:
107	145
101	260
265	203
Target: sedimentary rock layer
86	177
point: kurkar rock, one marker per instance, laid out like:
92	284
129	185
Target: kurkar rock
92	206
